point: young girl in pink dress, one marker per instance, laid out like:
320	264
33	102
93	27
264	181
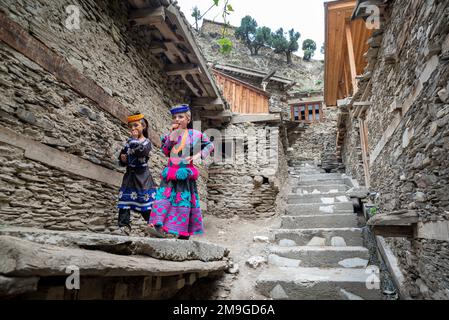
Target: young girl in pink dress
176	209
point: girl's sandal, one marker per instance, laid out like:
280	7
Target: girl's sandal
155	232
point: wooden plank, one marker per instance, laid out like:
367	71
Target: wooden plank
60	160
269	75
394	231
242	118
216	114
352	66
245	84
191	44
167	32
191	84
181	69
147	16
207	102
172	47
157	47
245	103
364	142
249	72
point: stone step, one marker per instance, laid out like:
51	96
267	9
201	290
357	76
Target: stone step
321	188
318	208
316	182
319	221
326	256
307	171
318	198
352	236
318	284
322	176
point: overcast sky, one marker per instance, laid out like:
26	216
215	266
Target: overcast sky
305	16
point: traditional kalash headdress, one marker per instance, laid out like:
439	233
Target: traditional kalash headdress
135	117
183	108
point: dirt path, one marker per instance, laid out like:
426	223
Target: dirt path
237	234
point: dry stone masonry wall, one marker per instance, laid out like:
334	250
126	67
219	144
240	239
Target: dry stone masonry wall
249	180
409	136
36	105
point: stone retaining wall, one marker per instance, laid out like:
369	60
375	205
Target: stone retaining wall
409	135
35	104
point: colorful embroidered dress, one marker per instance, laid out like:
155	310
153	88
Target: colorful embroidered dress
138	189
177	206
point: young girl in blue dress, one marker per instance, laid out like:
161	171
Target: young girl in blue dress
138	189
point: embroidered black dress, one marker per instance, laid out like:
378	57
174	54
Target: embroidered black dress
138	189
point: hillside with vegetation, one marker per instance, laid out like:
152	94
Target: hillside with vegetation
308	74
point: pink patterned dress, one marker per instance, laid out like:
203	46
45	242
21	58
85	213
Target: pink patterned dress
177	206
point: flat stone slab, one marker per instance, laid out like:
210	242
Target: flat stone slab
322	176
319	208
338	242
317	242
319	221
317	198
287	243
164	249
321	256
278	261
23	258
323	189
317	182
354	263
352	236
318	283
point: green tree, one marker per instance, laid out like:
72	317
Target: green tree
262	39
197	15
247	32
322	49
309	47
282	44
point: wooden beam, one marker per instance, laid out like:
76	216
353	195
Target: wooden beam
256	118
157	47
147	16
183	28
216	114
269	75
181	69
207	102
173	48
289	86
365	150
352	65
394	231
60	160
192	84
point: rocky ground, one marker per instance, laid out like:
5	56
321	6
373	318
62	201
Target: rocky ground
237	235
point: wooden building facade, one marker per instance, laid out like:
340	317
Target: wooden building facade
242	97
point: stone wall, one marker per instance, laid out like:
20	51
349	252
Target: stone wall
215	29
311	141
248	182
35	104
409	136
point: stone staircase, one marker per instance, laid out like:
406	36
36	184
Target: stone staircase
318	251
